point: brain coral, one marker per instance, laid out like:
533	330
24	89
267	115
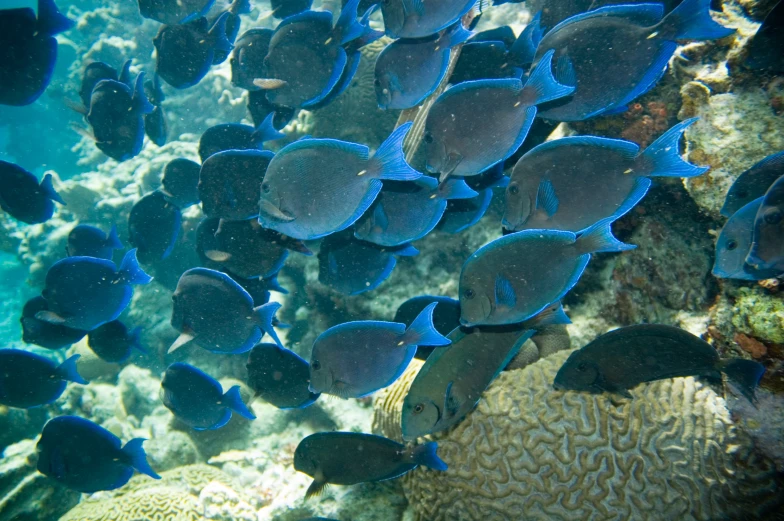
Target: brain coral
529	452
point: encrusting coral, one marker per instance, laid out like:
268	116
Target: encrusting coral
529	452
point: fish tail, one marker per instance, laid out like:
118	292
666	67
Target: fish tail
369	35
266	130
423	332
233	400
131	272
113	240
551	315
455	188
204	10
48	189
264	317
273	284
542	86
138	458
347	28
691	20
427	455
456	34
67	371
135	339
405	250
389	161
524	48
218	34
599	238
745	373
140	101
125	73
50	20
662	157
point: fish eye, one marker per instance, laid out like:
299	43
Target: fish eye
377	82
428	137
731	245
773	217
469	294
315	365
514	189
418	408
265	188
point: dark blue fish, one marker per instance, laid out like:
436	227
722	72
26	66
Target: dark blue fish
351	266
446	317
29	380
94	72
155	122
497	54
154	225
29	51
88	241
554	185
180	182
42	333
230	183
284	8
734	243
477	124
279	377
235	136
348	458
766	50
85	292
212	310
116	116
513	278
461	214
197	399
418	18
174	11
23	198
306	58
247	58
186	51
234	10
767	239
408	70
114	342
87	458
609	73
401	215
259	291
260	107
315	187
753	183
355	359
626	357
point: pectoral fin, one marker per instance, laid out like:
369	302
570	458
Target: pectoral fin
184	338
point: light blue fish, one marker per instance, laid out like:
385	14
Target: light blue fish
734	243
421	18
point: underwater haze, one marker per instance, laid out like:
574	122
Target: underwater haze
399	260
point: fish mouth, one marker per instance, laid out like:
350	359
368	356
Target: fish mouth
273	212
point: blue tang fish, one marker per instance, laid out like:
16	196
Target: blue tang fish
734	243
154	225
29	51
609	73
765	48
113	342
446	317
186	51
348	458
284	8
234	10
753	183
408	71
400	216
29	380
461	214
23	198
306	58
418	18
88	241
230	183
42	333
315	187
279	377
260	107
180	182
477	124
259	291
85	292
767	239
626	357
235	136
155	122
212	310
350	266
355	359
94	72
514	277
116	116
87	458
197	399
550	184
174	11
247	58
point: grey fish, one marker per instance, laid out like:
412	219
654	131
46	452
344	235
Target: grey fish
624	358
417	19
348	458
315	187
753	183
734	243
279	377
180	182
212	310
513	278
767	239
570	183
230	181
